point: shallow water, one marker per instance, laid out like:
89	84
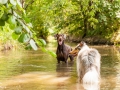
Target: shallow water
36	70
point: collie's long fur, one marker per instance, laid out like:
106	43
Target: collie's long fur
88	64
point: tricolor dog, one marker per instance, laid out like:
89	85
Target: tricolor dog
88	63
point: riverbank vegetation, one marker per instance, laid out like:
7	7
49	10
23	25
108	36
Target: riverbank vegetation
31	21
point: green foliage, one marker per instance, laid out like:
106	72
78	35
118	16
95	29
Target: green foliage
60	10
15	36
42	42
52	53
34	18
24	38
13	14
14	17
33	44
5	34
37	11
18	30
108	20
86	17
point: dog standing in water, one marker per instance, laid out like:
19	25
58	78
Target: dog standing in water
88	63
63	50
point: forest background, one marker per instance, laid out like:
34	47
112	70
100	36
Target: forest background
31	22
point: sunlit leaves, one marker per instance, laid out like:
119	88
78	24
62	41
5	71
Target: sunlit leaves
4	16
12	22
93	17
18	29
24	25
43	43
1	12
48	51
14	36
3	1
28	47
13	14
13	2
33	44
12	19
24	38
26	19
19	4
51	53
43	49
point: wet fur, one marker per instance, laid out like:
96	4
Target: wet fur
88	65
63	50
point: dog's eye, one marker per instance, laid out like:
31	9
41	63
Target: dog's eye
79	48
75	48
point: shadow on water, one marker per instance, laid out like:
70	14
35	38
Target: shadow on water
36	70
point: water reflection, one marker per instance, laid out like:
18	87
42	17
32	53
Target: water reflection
64	69
108	68
95	86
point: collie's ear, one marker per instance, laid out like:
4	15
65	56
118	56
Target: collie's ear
82	43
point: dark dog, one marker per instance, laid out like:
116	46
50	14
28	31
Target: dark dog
62	49
88	63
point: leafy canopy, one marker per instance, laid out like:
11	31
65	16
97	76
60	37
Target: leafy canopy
13	14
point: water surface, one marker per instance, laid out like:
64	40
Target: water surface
36	70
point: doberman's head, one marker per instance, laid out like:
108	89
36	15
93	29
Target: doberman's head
75	51
60	38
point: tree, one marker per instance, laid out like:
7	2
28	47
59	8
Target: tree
13	14
39	14
90	18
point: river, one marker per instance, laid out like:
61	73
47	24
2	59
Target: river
37	70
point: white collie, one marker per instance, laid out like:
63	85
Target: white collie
88	63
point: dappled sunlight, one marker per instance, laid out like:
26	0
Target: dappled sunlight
51	38
42	80
35	77
108	82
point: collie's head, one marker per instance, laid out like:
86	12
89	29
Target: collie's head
60	38
75	51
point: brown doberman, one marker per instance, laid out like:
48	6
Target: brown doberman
62	49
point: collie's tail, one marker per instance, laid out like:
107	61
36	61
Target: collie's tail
91	77
92	74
